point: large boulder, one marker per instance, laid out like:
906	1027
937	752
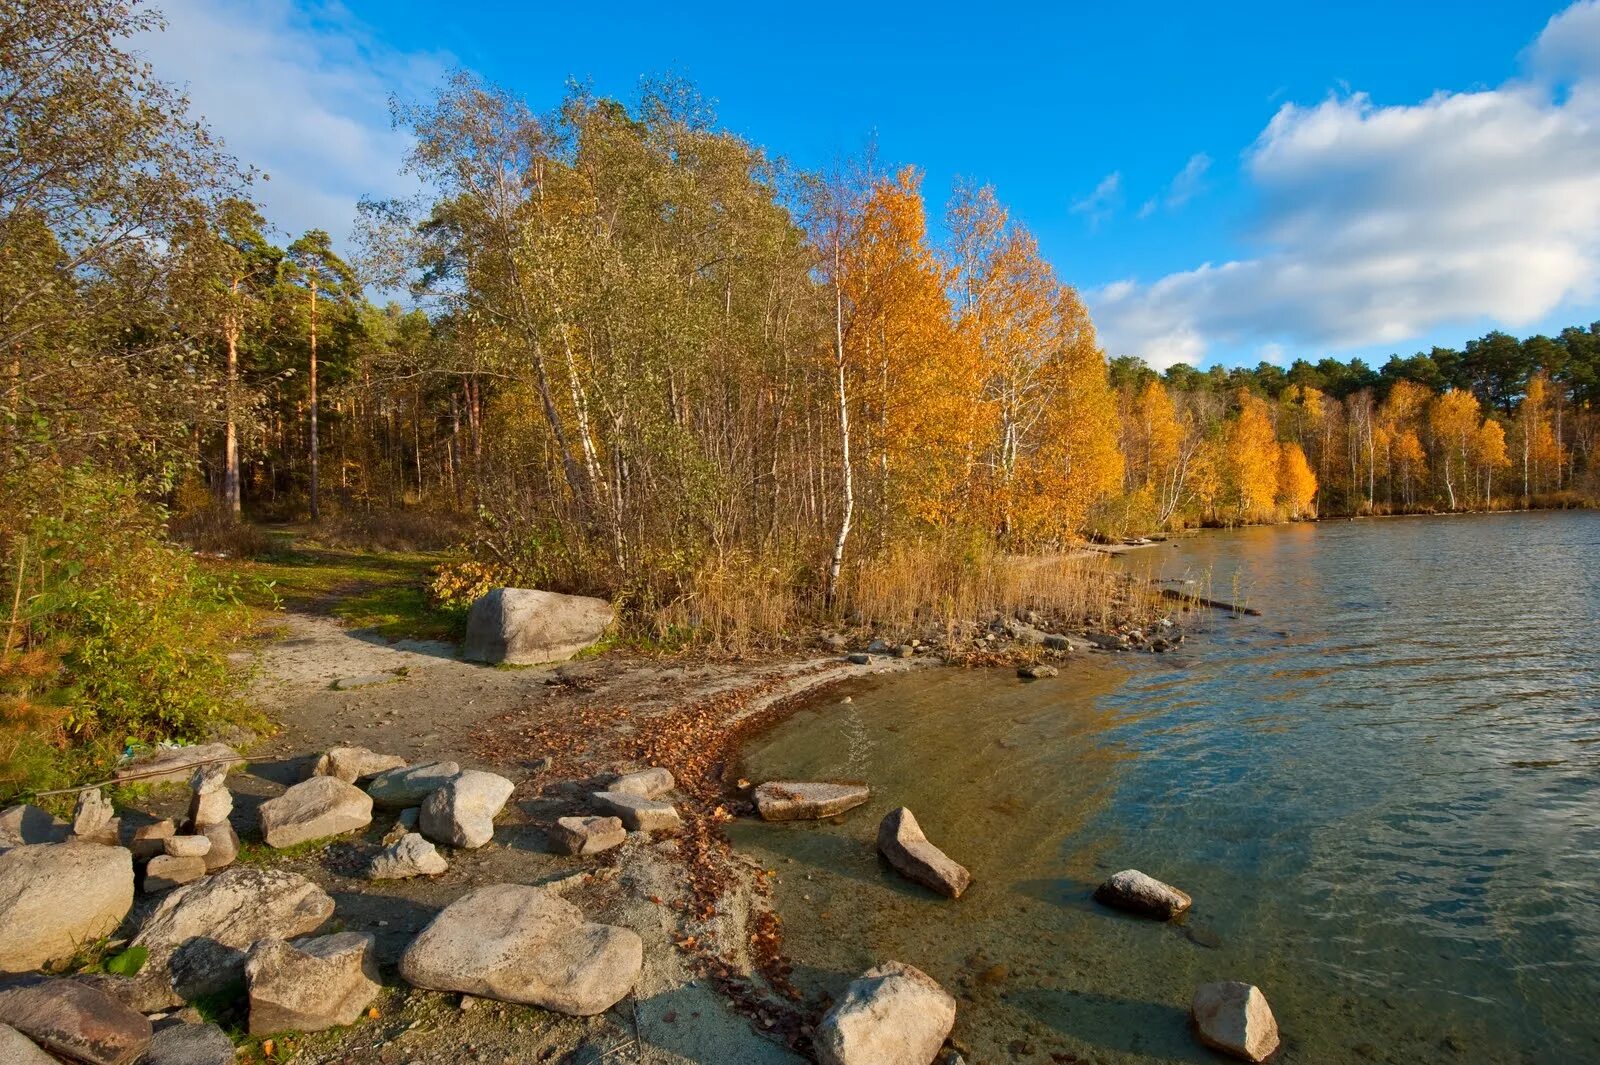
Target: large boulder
310	984
462	812
1135	892
314	809
892	1015
588	835
23	824
167	764
190	1044
56	897
18	1049
409	785
1234	1017
792	800
352	764
637	813
901	841
410	855
525	945
197	937
523	626
74	1021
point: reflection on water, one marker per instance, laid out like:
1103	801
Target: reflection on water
1384	795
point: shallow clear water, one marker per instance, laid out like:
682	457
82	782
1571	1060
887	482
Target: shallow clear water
1384	795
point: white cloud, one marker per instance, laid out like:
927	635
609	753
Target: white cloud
1100	204
1190	181
300	91
1379	223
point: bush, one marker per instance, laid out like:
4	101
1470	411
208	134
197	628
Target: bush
390	529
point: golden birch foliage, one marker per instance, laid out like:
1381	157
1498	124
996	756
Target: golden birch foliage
1453	421
1252	457
1297	485
1489	449
1158	433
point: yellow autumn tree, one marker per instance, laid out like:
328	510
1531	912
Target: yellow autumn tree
1489	452
1252	460
1453	422
1297	485
1539	453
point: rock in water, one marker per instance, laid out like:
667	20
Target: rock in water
649	783
167	764
901	841
790	800
352	764
640	814
190	1044
18	1049
410	855
462	812
1036	671
892	1015
522	626
1234	1018
24	824
167	871
1133	891
56	897
310	984
74	1021
198	935
526	945
314	809
588	835
409	785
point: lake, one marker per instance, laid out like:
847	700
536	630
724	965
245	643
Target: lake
1383	794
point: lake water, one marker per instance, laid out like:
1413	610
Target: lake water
1383	794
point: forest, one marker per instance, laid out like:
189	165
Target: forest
617	349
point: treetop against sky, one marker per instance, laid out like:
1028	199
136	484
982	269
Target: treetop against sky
1263	182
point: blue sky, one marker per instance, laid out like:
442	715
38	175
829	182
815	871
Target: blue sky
1379	176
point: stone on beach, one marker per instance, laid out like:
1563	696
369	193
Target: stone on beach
314	809
524	626
190	1044
901	841
23	824
649	783
167	871
1234	1017
1134	891
74	1021
525	945
588	835
462	812
353	764
409	785
793	800
310	984
892	1015
18	1049
197	936
57	897
639	814
410	855
169	764
860	658
1037	671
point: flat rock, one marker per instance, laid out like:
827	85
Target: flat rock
639	814
168	764
74	1021
525	626
24	824
186	846
892	1015
147	841
1134	891
649	783
794	800
1037	671
409	785
410	855
190	1044
588	835
18	1049
525	945
198	935
314	809
310	984
167	871
462	812
1234	1017
55	897
365	680
224	846
353	764
901	841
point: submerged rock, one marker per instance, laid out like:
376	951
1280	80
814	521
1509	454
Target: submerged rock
410	855
794	800
55	897
462	812
525	945
314	809
524	626
901	841
1037	671
1234	1017
310	984
74	1021
1134	891
892	1015
588	835
409	785
639	814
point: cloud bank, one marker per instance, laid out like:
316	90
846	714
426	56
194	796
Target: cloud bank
1377	224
